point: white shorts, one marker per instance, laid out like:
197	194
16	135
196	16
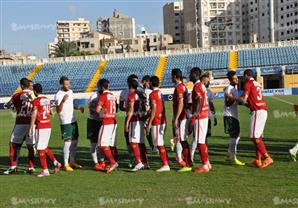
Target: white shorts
182	130
137	132
257	123
200	130
20	134
42	137
158	133
107	135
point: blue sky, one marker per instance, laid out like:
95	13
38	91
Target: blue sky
28	25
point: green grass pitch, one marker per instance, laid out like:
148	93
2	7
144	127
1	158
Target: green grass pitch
225	186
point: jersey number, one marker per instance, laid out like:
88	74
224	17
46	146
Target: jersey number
260	95
46	111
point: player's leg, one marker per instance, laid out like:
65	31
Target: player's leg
257	127
30	143
135	139
66	131
104	143
113	148
73	146
131	162
293	152
194	143
42	140
177	142
142	146
157	132
15	145
201	133
93	128
183	135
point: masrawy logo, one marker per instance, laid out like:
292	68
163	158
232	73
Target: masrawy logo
15	201
104	201
206	200
284	201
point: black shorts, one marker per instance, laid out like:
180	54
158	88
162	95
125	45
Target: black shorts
209	128
93	128
231	125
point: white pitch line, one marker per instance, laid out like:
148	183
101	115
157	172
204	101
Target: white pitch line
281	100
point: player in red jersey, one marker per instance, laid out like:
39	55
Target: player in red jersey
21	102
180	124
135	127
157	122
200	112
254	99
41	119
107	106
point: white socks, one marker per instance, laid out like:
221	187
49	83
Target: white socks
93	152
73	151
66	150
194	146
179	151
295	148
232	151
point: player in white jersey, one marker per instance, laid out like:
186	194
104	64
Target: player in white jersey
69	127
231	122
93	126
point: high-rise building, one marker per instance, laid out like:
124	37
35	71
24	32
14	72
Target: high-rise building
173	21
212	22
120	26
70	30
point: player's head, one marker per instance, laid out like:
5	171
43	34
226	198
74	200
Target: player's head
154	82
248	73
146	81
30	85
64	83
195	74
133	85
37	89
104	84
184	80
100	91
132	77
233	78
24	83
205	79
176	75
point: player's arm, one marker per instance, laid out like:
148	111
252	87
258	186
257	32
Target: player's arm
33	120
179	108
152	115
77	107
129	115
242	100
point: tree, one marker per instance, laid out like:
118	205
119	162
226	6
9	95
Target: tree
64	49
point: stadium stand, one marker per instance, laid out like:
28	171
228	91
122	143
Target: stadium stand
79	72
85	71
117	70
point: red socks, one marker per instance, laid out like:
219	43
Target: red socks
136	151
114	153
108	154
204	153
260	148
43	159
50	154
143	152
13	154
163	155
31	156
186	153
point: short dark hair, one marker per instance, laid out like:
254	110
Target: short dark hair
131	77
30	81
230	74
196	70
24	82
146	78
248	72
104	83
154	81
177	73
133	84
37	88
62	79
